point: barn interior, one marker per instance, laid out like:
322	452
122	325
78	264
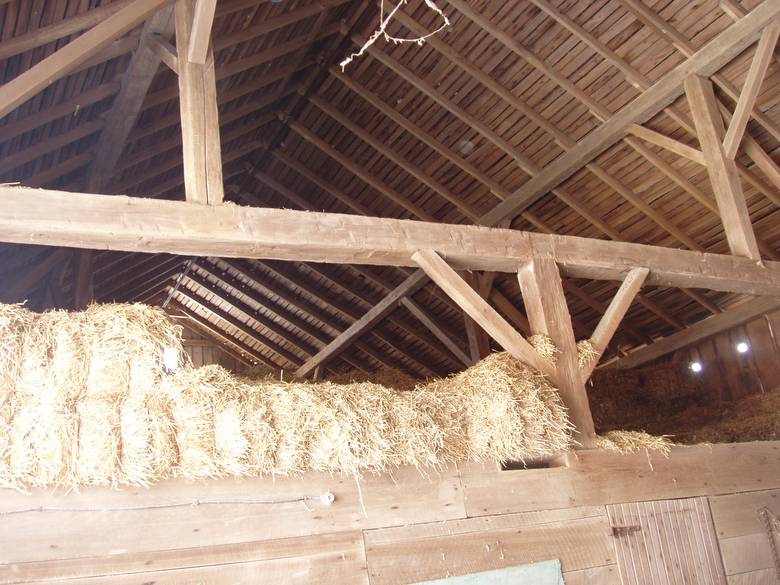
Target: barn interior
449	291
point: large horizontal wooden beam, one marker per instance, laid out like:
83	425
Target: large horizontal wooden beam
706	61
698	331
102	222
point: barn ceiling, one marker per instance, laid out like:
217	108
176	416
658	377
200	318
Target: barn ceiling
442	131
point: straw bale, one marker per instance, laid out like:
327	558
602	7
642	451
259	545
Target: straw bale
90	404
98	443
384	376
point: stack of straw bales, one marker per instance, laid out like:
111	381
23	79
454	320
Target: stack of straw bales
84	400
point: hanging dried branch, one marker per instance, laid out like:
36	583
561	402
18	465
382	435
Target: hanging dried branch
382	30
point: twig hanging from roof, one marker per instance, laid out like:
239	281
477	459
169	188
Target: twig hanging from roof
382	30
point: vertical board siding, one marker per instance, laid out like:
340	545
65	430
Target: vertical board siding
666	542
744	539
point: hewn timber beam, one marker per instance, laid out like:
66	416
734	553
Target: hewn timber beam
69	57
698	331
706	61
722	170
165	52
747	98
480	311
548	314
83	220
667	143
614	314
200	37
199	114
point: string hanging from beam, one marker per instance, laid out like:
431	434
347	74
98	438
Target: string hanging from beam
384	22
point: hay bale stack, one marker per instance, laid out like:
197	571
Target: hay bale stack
496	410
85	401
67	378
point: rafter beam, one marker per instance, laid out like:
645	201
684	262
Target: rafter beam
434	328
480	311
698	331
723	173
747	98
207	325
614	314
69	57
84	220
199	115
127	104
709	59
357	328
64	28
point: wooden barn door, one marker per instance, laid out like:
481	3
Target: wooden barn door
667	542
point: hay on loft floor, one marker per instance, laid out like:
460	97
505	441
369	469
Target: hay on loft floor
626	442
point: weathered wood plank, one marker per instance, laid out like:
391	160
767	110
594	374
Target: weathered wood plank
598	478
138	224
477	545
292	508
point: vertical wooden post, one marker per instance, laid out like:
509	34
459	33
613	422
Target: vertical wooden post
722	170
545	305
199	116
83	286
479	341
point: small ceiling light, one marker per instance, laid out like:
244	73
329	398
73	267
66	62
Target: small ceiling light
696	367
466	147
170	360
742	347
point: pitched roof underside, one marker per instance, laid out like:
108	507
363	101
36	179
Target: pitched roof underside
440	131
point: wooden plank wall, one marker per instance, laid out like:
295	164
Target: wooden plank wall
204	352
732	375
390	529
744	539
